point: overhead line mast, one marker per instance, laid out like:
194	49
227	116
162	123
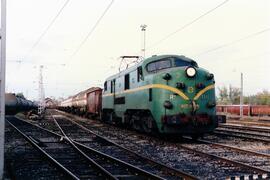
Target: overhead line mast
41	94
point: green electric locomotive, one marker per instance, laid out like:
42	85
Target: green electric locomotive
169	94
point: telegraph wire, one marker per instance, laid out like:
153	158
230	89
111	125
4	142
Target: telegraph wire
91	31
188	24
48	27
234	41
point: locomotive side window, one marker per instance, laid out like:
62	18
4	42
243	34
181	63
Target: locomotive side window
164	64
139	74
126	81
105	86
159	65
151	67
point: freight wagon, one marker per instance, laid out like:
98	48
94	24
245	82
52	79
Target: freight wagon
248	110
86	103
15	104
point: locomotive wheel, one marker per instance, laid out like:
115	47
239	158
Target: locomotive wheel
134	123
136	126
147	124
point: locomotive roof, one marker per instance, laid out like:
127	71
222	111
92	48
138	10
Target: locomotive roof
148	60
155	58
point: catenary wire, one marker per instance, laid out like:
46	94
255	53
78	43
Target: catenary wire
233	42
48	27
91	31
187	25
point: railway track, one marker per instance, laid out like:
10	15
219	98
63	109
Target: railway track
246	128
109	167
92	142
22	160
230	166
246	158
255	133
262	123
55	150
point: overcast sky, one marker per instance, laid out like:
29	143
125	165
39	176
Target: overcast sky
233	38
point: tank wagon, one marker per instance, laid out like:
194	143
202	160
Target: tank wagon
15	104
86	103
168	94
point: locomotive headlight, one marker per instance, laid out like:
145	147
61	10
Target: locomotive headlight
191	71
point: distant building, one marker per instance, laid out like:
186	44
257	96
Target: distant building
50	103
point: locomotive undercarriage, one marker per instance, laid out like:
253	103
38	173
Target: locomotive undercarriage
140	120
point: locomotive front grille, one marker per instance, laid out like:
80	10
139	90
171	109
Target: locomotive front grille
181	119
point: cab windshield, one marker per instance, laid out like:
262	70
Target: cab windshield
169	63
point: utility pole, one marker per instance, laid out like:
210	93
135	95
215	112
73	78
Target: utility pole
143	29
2	85
241	97
41	94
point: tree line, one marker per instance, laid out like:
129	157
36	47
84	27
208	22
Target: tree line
231	95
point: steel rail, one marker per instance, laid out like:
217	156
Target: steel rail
93	162
164	166
238	133
242	127
235	148
239	136
130	166
258	170
265	123
47	130
45	154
